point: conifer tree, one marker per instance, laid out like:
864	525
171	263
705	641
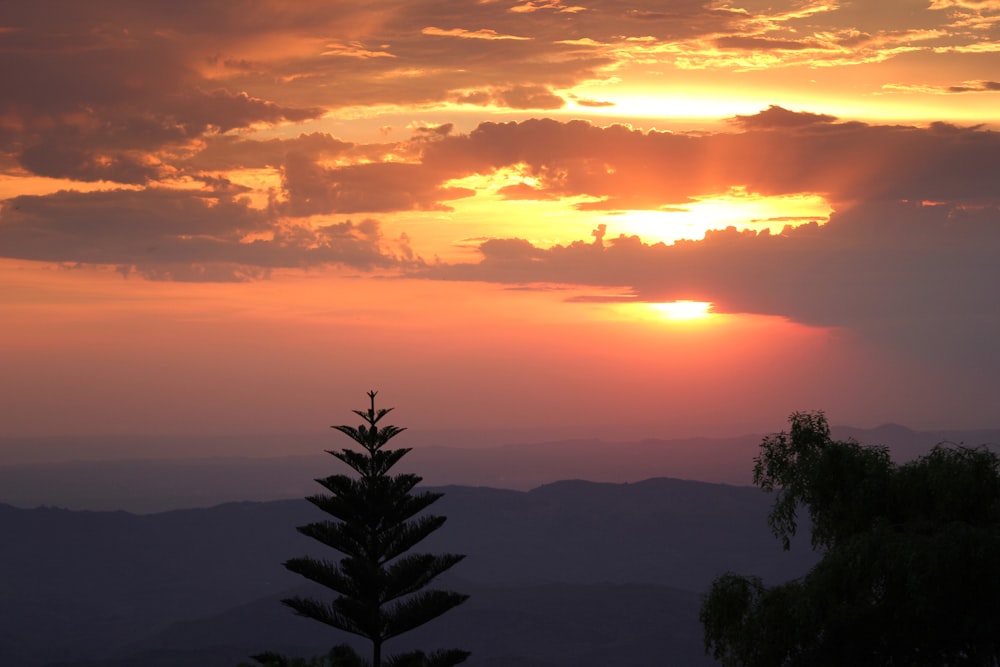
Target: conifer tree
377	519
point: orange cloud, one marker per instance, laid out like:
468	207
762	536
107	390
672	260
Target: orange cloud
469	34
773	153
909	275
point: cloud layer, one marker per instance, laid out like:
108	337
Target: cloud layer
194	143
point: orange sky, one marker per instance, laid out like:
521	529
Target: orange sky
238	219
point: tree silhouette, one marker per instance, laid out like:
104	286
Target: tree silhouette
377	519
909	571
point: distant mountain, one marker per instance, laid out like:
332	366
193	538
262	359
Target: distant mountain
162	484
571	573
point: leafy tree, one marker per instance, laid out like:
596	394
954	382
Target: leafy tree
381	589
909	573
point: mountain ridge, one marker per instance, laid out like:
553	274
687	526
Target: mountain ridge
159	484
85	585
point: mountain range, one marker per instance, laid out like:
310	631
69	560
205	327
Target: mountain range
561	572
54	472
570	573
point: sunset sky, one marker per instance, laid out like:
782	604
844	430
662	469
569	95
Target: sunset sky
238	217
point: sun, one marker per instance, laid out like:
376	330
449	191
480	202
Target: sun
683	310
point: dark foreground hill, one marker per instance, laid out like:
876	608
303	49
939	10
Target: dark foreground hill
571	573
598	625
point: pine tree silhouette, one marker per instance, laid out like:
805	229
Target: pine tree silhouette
382	589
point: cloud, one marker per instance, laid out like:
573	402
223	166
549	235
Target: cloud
220	153
93	97
127	149
115	95
112	93
907	257
483	33
778	152
374	187
979	86
831	34
530	97
764	43
975	87
513	251
187	72
915	275
777	117
353	50
584	102
538	5
516	97
89	163
183	235
853	165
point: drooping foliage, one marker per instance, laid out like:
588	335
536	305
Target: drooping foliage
910	573
376	518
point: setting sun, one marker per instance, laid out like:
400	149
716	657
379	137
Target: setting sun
232	224
594	251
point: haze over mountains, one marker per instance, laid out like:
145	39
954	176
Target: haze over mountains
571	573
561	573
200	472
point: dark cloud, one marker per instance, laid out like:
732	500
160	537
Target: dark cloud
601	20
222	153
182	235
909	258
976	87
215	272
111	77
112	92
81	163
435	131
531	97
764	43
779	152
126	146
513	251
914	275
97	97
778	117
477	97
594	103
224	110
517	97
375	187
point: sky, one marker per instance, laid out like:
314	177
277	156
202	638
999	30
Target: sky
655	219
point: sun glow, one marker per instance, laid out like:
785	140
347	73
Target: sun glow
683	310
693	102
737	208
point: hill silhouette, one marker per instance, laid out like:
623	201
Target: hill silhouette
612	569
118	479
